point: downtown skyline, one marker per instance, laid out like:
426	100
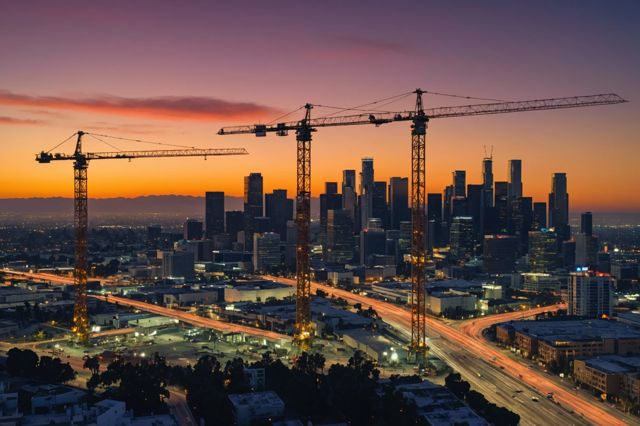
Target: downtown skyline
122	89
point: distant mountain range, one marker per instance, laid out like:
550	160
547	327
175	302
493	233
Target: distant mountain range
183	205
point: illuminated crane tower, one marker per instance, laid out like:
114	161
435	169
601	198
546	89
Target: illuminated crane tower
80	163
419	118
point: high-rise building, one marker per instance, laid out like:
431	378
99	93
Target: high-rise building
586	243
543	250
559	206
461	238
339	237
514	189
178	264
379	207
214	213
447	205
475	204
499	253
520	221
330	200
586	223
487	181
366	191
266	252
434	219
253	206
590	295
279	209
349	194
539	216
234	223
501	203
372	242
459	183
399	201
192	229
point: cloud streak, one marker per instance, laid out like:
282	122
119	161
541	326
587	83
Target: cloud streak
194	108
13	120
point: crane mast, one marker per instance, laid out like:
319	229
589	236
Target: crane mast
80	327
419	118
303	326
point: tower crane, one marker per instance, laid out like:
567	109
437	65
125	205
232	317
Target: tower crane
80	164
419	117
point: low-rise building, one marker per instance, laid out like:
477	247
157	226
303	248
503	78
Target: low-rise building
565	340
438	406
257	291
612	375
255	406
444	302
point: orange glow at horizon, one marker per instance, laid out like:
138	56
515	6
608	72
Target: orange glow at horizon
451	144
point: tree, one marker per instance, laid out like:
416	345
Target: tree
22	362
91	363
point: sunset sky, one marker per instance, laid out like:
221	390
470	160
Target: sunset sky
175	72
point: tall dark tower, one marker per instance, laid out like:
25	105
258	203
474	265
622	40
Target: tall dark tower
279	210
487	181
366	191
460	183
559	206
253	206
515	179
399	201
586	223
214	213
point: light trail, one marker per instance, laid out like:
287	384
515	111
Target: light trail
480	349
193	319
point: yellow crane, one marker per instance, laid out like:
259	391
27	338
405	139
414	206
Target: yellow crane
419	117
80	164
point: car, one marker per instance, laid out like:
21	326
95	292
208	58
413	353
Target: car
535	399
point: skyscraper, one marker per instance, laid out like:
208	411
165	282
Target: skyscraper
474	208
586	223
267	255
539	216
379	207
590	295
459	183
434	219
253	206
192	229
399	201
487	181
586	243
543	250
214	213
330	200
234	223
559	206
461	237
366	191
501	204
339	237
279	210
514	189
349	195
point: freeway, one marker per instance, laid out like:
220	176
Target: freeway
192	319
587	408
51	278
474	328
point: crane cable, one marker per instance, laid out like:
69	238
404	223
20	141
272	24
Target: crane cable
429	92
390	98
141	141
104	142
285	115
62	142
